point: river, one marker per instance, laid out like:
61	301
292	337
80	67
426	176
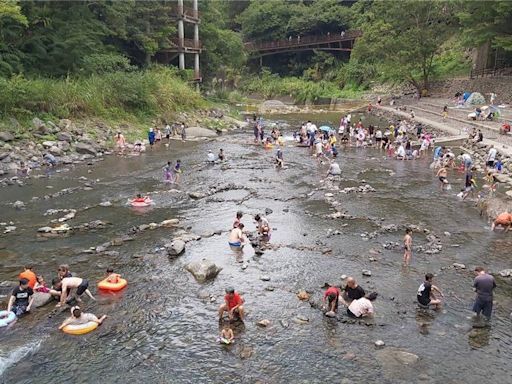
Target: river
163	327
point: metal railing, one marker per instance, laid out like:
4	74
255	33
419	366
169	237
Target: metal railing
187	12
299	41
186	43
484	72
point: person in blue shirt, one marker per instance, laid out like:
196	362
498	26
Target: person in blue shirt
151	137
438	152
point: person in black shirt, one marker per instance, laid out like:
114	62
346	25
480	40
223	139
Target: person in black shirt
426	295
352	290
21	299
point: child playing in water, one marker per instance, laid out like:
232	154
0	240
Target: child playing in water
177	171
442	174
407	246
111	276
168	172
226	335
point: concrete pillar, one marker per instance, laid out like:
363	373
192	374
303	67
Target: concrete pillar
195	5
181	35
196	66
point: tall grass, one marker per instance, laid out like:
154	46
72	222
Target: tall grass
300	90
118	95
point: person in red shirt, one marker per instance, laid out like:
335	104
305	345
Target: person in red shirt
233	304
29	275
333	295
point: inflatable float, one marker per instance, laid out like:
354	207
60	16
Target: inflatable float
6	318
141	202
80	329
223	340
108	286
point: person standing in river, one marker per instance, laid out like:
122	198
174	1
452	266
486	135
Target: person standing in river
484	285
151	137
407	246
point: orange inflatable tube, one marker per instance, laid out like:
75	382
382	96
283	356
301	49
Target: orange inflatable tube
108	286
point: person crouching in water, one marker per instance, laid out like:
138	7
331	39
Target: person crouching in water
263	226
332	294
426	294
233	305
362	307
77	318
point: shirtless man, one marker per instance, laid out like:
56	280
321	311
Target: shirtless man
69	283
503	220
407	246
443	174
237	239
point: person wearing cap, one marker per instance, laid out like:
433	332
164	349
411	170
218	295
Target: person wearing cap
233	304
21	299
77	318
29	275
332	294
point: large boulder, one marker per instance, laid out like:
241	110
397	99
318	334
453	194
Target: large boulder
85	149
203	270
41	299
6	136
200	132
55	151
40	126
176	248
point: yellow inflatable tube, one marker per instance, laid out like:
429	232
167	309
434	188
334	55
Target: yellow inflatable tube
80	329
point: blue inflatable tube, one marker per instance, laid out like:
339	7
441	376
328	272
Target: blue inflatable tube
6	318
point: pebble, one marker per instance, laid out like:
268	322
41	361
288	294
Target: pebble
343	277
263	323
265	278
458	266
269	288
244	266
285	323
447	234
302	318
366	272
379	343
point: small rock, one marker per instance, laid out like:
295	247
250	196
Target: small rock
269	288
505	272
265	278
19	204
366	272
302	319
447	234
303	295
263	323
285	323
343	277
244	266
458	266
176	248
330	314
379	343
105	204
6	136
169	223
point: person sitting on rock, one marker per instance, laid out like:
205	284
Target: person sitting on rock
362	307
69	283
332	294
233	305
352	290
21	298
503	220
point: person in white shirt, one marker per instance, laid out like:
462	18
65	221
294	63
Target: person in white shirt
334	169
491	156
211	157
362	307
400	153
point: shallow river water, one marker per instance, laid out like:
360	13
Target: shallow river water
162	329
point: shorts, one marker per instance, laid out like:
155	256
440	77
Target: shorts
490	163
442	179
330	300
468	164
483	306
19	309
82	287
167	136
423	301
235	244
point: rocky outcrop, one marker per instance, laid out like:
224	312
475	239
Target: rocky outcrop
86	149
6	136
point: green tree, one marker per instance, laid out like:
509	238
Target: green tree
12	26
404	37
484	21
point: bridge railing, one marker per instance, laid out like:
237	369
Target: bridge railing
298	41
186	43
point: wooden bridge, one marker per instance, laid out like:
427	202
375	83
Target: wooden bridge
343	41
